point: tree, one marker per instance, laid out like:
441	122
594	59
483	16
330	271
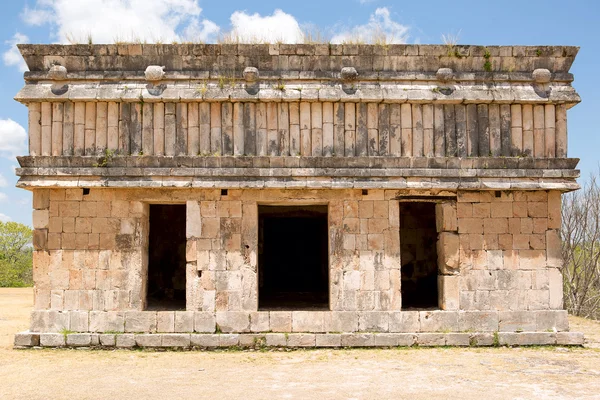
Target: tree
15	255
580	234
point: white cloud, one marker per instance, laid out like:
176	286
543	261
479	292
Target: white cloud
279	27
13	138
201	31
5	218
12	56
107	21
380	27
3	182
3	197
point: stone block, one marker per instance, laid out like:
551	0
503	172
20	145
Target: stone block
328	340
448	292
386	339
40	219
280	321
570	338
165	321
340	321
431	339
276	339
259	321
252	340
373	321
458	339
52	340
358	340
482	339
553	246
233	321
184	321
49	321
448	253
406	339
438	321
27	339
95	339
555	286
107	321
551	320
404	321
301	340
79	339
445	217
307	321
148	339
108	340
176	340
554	209
140	321
516	321
526	338
477	321
41	199
229	339
204	340
193	222
79	321
470	225
204	322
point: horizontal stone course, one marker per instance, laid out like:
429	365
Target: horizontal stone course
149	161
167	340
306	321
309	57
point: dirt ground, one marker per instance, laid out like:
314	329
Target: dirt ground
440	373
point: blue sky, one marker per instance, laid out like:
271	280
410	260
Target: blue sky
530	22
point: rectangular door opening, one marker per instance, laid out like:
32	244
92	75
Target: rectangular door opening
166	257
418	255
293	262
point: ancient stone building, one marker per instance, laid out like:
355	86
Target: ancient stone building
297	195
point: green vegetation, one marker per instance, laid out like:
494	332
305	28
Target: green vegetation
108	156
15	255
487	65
580	234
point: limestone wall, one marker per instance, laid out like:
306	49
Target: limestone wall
496	250
340	129
510	251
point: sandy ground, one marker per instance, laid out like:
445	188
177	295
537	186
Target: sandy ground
440	373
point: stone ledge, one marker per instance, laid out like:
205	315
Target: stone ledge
176	77
434	321
295	340
417	183
258	173
288	162
295	92
306	57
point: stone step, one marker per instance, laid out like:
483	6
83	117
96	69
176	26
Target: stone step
295	340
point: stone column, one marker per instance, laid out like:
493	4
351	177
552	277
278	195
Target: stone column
448	255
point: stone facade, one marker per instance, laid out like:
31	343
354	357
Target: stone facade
106	144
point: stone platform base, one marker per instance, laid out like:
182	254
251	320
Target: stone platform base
294	340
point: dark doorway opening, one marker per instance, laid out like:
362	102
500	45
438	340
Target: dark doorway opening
166	257
293	266
418	255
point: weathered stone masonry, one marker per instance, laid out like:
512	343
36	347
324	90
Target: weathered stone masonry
360	129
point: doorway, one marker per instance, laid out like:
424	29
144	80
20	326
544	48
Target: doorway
166	257
293	266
